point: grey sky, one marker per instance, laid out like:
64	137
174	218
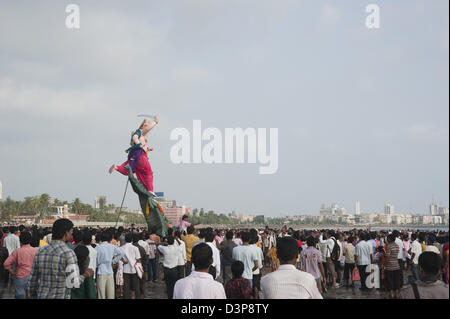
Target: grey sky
362	114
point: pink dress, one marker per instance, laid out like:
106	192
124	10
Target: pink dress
143	171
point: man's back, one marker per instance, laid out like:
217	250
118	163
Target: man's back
105	255
131	255
182	257
22	258
52	265
216	258
311	257
363	250
144	245
189	241
289	283
227	252
349	252
427	290
248	256
92	258
260	256
198	285
142	253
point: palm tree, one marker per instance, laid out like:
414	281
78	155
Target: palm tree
44	203
76	206
35	204
102	202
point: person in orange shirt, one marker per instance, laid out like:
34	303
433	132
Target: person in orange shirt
42	242
189	241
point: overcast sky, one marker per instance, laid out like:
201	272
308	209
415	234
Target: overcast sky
362	114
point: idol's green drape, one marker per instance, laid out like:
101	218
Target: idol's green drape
153	214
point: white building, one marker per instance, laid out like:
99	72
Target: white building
385	218
246	219
99	200
63	211
433	209
358	208
389	209
334	210
408	219
429	219
441	211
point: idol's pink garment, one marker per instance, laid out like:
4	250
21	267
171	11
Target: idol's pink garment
143	171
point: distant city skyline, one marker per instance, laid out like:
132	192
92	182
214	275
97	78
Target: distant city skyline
432	208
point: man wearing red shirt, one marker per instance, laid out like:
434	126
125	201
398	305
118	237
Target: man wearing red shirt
22	259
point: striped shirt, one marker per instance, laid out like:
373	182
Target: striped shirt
392	257
54	272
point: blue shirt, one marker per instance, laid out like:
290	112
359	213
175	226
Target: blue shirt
107	254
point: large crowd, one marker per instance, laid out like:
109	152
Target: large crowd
66	262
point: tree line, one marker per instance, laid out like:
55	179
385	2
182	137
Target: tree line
43	207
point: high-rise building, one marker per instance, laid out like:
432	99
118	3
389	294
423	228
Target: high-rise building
443	211
173	212
389	209
433	209
358	208
100	202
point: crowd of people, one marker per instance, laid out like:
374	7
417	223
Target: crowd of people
65	262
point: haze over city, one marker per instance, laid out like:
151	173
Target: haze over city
362	114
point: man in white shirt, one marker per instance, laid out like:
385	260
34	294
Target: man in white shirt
86	239
171	254
330	241
181	267
416	250
12	241
130	277
199	284
143	243
287	282
363	257
248	256
399	243
214	270
257	273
